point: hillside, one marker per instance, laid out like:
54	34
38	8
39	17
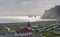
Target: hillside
53	13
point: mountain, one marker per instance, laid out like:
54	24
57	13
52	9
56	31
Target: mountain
53	13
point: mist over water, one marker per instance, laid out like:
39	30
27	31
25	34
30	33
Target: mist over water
15	19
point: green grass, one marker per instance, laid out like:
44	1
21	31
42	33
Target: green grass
46	22
45	33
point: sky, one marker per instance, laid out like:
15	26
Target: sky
25	7
12	10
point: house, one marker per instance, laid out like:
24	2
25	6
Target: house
57	33
35	27
38	28
27	31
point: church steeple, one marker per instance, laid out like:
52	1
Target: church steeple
28	24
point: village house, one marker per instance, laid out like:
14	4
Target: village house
57	33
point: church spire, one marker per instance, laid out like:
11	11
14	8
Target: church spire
28	24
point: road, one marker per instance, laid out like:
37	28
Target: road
10	35
6	35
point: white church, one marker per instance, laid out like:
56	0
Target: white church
24	31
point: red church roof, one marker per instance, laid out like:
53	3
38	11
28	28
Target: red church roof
25	30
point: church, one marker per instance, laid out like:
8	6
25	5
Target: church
27	31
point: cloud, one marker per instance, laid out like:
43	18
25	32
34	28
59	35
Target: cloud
24	7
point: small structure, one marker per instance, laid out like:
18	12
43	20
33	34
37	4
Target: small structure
38	28
24	31
35	28
57	33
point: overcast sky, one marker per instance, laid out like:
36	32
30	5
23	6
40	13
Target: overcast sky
25	7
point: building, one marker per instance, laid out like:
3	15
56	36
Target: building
27	31
57	33
35	28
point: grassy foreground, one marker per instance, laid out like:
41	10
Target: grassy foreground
45	33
